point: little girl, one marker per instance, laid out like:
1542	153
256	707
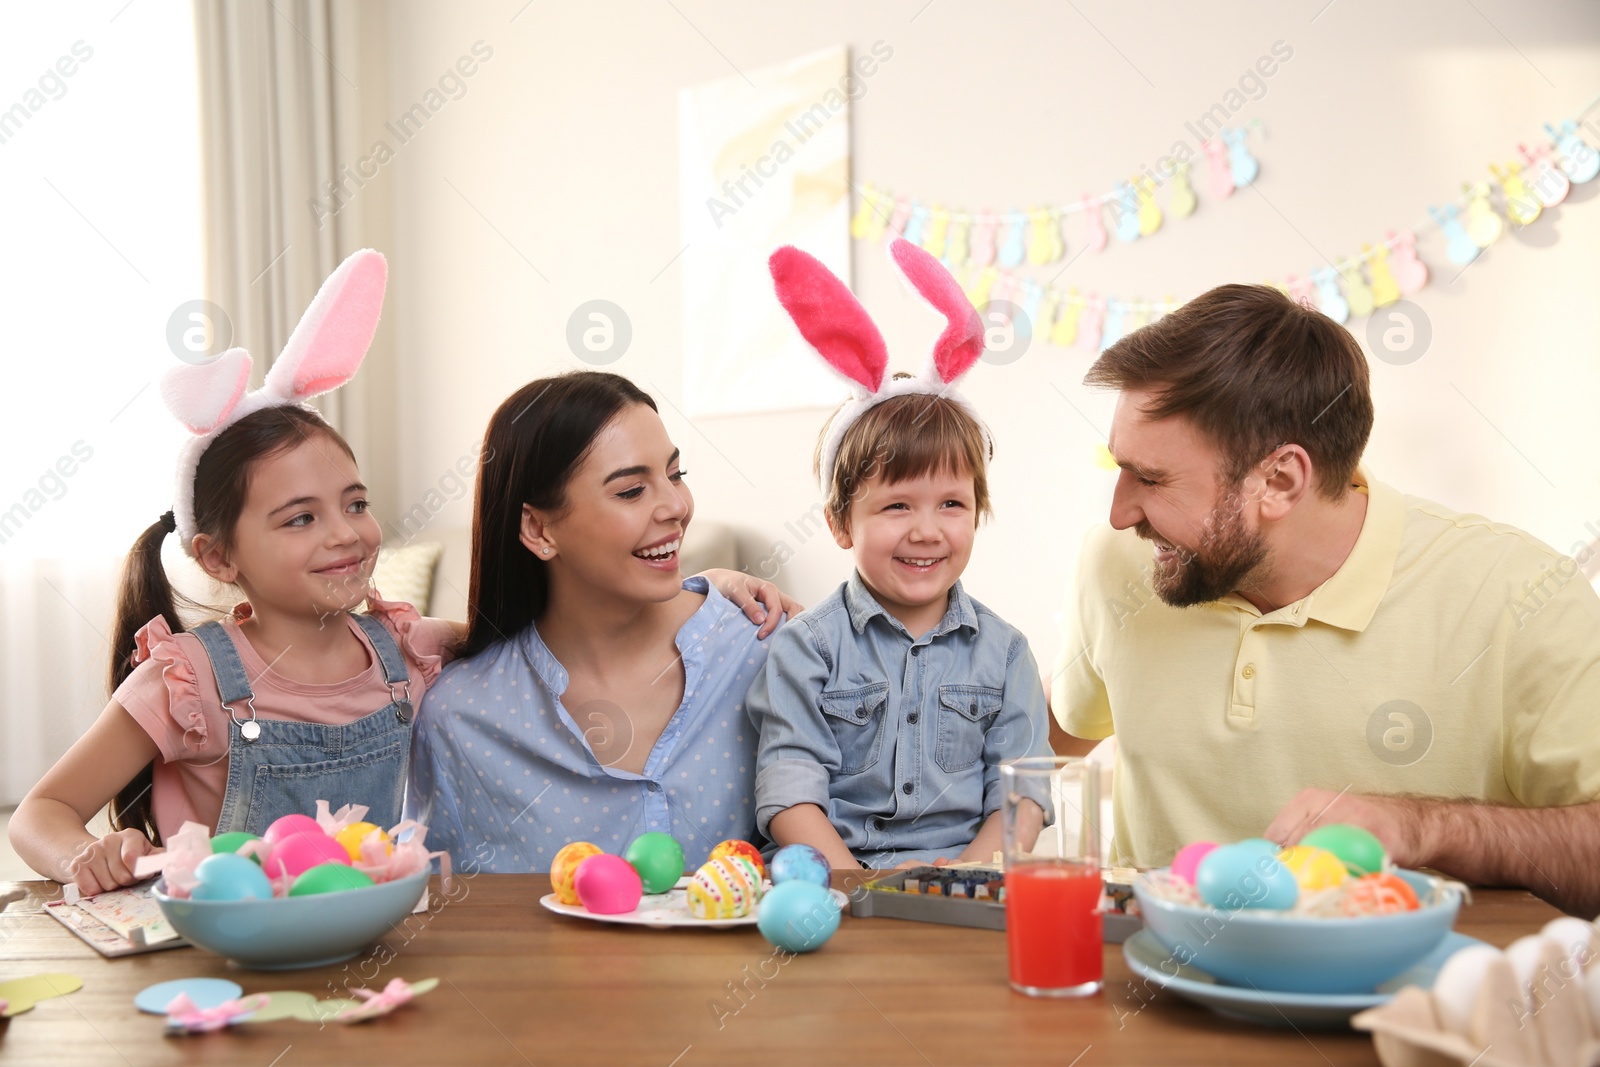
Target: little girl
293	697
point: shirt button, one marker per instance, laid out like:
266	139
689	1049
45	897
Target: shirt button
908	787
912	718
654	787
1249	671
916	650
861	713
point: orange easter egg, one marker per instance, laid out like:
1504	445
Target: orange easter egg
736	847
564	869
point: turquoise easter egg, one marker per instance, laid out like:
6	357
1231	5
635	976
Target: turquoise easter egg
800	863
228	876
797	916
1243	876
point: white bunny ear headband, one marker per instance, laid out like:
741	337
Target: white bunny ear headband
322	354
833	322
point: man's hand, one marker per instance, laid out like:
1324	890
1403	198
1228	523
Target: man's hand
1548	851
1398	822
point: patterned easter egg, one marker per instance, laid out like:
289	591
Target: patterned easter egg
564	868
725	888
736	847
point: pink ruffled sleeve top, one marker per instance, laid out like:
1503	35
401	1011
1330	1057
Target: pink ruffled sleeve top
172	694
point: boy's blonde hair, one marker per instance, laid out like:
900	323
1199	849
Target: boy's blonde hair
901	438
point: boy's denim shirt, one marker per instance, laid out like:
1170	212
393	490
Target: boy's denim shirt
898	739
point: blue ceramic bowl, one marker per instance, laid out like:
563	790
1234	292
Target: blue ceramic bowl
1273	952
288	932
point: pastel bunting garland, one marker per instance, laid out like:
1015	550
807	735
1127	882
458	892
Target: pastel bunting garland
987	247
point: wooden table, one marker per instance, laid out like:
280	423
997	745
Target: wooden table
522	985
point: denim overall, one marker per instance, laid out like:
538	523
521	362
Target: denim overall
278	768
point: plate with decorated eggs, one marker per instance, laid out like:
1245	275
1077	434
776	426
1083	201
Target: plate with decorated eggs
646	886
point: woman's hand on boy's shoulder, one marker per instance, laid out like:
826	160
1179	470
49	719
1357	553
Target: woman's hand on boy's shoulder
761	601
108	863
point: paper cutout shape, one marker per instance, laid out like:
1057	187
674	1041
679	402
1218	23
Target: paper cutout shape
21	994
185	1017
202	993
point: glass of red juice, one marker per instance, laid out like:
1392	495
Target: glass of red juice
1050	823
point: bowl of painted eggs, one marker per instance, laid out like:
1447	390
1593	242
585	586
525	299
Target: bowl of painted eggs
1328	915
647	886
297	896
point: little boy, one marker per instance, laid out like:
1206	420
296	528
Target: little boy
885	710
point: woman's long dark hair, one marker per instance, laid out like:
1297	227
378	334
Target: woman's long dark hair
534	442
221	484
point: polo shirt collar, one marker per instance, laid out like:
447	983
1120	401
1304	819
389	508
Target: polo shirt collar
1350	597
863	606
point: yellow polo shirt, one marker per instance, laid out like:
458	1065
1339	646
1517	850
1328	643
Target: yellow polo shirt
1448	656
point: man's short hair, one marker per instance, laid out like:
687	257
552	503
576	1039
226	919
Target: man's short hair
1254	371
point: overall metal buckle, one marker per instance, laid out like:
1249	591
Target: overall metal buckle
402	704
249	729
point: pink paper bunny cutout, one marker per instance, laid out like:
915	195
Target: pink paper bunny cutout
322	354
834	323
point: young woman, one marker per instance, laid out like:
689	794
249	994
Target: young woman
599	694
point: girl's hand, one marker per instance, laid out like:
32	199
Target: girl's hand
108	863
762	601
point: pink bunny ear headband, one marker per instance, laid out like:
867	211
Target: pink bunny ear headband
322	354
833	322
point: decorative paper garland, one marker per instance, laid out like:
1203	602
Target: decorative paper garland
1037	234
1341	291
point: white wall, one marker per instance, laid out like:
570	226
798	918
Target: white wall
562	159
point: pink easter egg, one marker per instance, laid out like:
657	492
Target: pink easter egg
290	825
294	855
608	885
1188	859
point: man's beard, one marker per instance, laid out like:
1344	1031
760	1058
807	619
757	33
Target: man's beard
1227	556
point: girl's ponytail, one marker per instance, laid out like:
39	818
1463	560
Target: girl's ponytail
145	593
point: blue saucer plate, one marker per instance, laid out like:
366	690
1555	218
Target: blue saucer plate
1146	956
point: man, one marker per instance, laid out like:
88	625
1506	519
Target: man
1279	641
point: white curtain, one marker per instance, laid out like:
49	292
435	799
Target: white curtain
110	176
283	197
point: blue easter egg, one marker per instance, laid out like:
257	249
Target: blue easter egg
797	916
1245	876
801	863
230	876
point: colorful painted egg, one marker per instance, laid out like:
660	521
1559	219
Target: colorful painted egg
1314	868
564	868
798	916
232	841
737	847
300	852
352	836
725	888
290	825
1188	858
1244	876
608	885
328	878
1379	894
229	876
659	860
1361	852
802	863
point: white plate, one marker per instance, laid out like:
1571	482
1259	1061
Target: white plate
663	910
1145	955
